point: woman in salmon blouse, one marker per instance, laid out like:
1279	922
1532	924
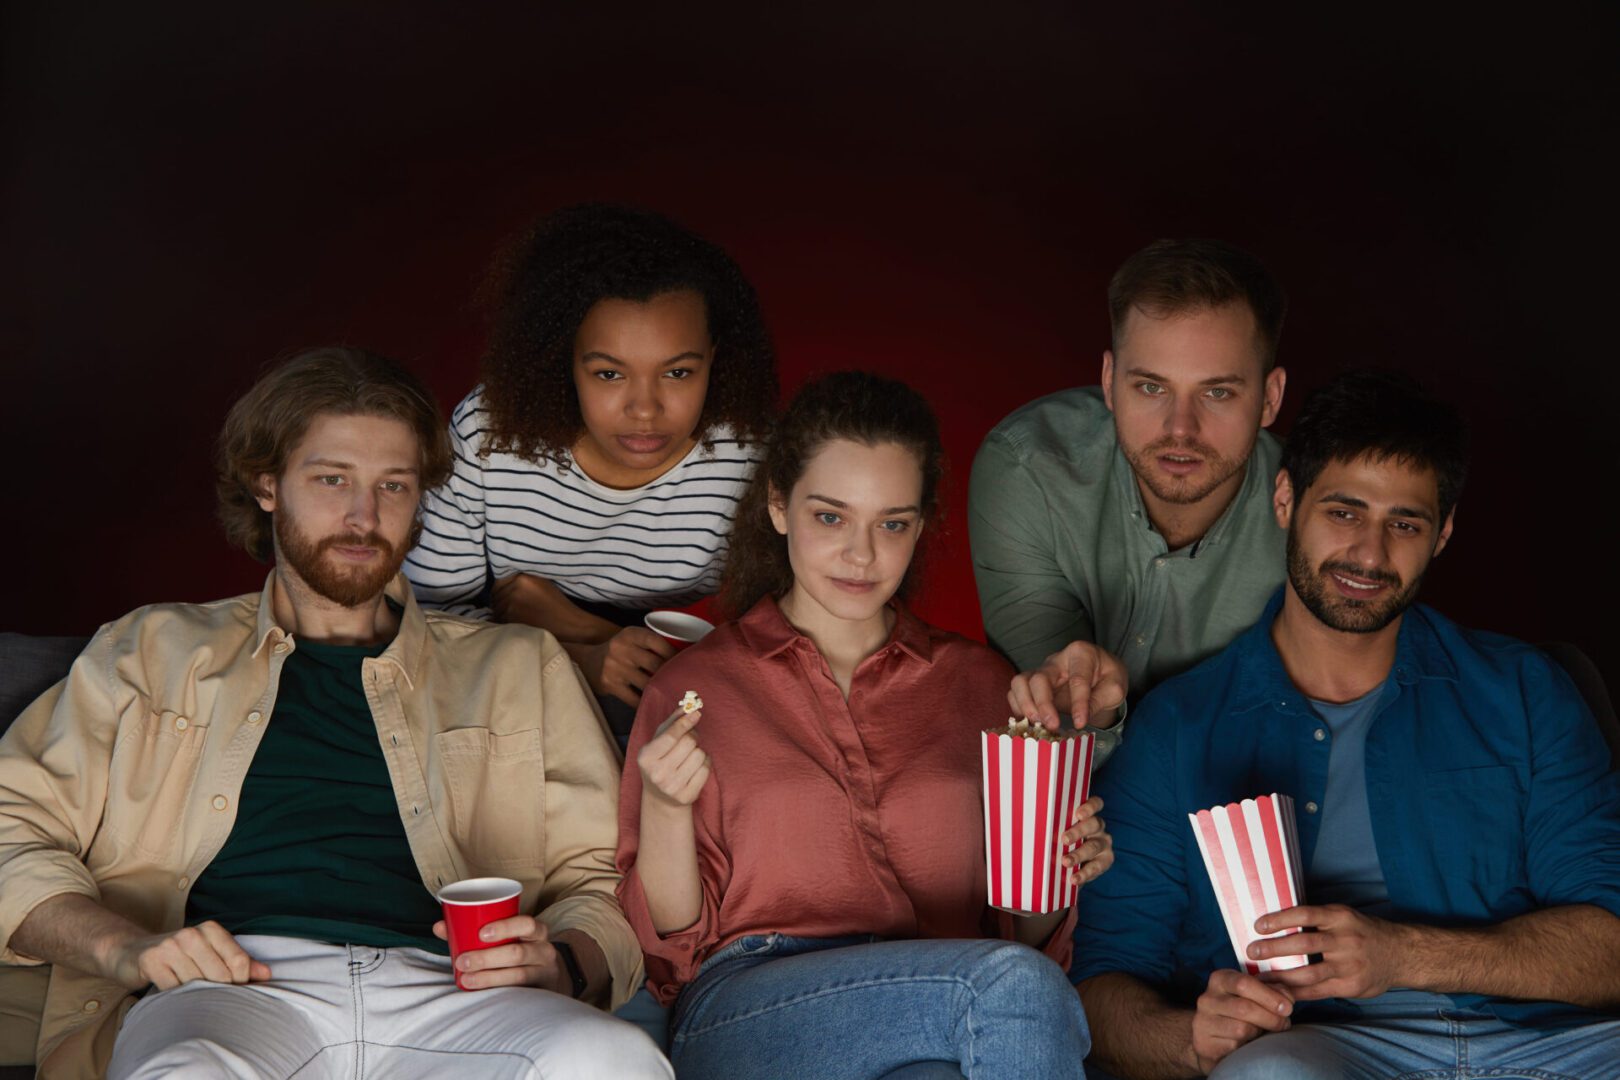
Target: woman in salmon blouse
808	883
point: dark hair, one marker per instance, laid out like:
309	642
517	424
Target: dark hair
268	421
851	405
1382	414
542	288
1172	277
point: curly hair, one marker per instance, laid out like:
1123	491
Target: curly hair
268	421
541	290
852	405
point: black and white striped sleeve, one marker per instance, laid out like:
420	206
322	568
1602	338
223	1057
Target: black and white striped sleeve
449	567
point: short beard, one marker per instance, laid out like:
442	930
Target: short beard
349	587
1341	612
1182	492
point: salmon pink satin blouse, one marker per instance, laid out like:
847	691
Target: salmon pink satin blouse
826	817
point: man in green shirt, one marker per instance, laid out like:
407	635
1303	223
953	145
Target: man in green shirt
1122	533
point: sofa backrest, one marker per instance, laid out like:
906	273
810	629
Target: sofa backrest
29	666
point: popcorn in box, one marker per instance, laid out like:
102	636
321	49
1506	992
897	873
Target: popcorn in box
1034	780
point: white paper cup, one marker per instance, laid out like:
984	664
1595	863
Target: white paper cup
678	626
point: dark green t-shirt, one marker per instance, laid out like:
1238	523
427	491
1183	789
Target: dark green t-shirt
318	850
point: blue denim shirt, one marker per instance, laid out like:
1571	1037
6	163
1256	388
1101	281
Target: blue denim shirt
1488	784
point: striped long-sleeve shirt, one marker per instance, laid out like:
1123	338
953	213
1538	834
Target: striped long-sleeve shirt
660	545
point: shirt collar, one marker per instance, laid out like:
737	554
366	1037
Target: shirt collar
404	652
767	631
1262	677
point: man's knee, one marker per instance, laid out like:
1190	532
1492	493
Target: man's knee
603	1047
199	1057
1283	1056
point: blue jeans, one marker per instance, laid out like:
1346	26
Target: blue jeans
859	1009
644	1012
1400	1042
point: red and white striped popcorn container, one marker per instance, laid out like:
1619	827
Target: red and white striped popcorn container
1251	850
1032	787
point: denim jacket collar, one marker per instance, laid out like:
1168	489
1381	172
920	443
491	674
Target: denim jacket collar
1263	679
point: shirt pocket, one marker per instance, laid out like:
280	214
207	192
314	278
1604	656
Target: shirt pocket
497	786
1476	815
154	771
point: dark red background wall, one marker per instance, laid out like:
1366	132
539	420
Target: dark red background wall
939	195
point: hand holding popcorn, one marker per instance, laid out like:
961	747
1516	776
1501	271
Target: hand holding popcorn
673	767
1036	780
1092	848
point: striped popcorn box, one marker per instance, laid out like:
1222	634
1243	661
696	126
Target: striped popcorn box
1032	787
1251	851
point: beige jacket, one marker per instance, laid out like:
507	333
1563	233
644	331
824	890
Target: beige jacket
121	782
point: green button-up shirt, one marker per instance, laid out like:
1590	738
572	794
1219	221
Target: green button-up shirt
1063	549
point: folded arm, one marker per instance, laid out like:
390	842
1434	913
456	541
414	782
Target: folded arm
615	660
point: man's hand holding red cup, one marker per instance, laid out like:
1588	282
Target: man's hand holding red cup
528	959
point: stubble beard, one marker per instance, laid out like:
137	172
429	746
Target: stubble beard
1186	490
348	586
1341	612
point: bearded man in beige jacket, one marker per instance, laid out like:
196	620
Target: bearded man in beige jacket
225	829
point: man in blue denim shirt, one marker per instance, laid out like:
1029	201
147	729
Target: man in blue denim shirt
1458	821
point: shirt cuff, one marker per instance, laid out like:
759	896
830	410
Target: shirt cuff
600	919
1109	738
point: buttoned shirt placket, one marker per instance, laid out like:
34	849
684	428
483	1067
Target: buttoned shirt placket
856	766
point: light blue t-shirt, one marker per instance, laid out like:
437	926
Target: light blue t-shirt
1344	868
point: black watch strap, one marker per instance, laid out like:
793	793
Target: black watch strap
575	975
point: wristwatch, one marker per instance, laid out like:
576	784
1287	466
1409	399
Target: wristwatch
571	962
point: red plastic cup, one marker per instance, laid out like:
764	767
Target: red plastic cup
473	904
678	626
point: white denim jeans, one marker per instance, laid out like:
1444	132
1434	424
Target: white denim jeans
350	1011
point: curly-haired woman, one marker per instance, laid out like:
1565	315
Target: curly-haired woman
627	383
808	884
